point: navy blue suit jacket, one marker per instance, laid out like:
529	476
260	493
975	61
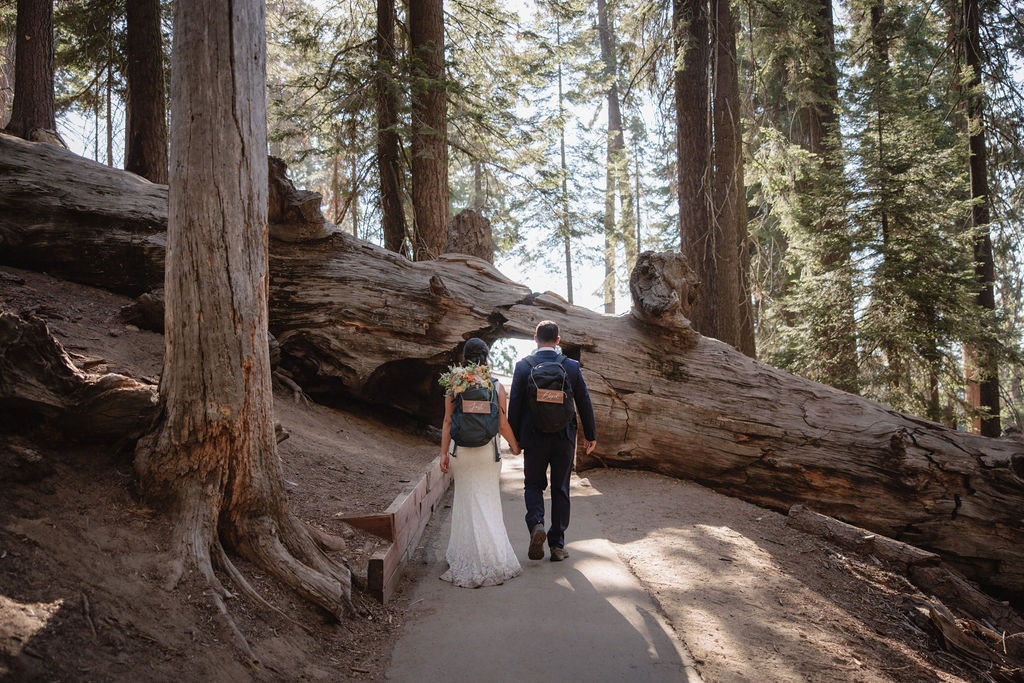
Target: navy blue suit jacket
521	420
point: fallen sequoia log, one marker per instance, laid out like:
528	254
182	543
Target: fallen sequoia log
353	319
39	384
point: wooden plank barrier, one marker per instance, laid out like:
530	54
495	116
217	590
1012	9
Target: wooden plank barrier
402	523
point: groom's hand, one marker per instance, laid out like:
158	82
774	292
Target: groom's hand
590	446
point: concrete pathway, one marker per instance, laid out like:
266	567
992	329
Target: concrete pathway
584	619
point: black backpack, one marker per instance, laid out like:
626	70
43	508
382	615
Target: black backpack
549	394
475	418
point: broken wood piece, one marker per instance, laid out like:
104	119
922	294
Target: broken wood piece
849	536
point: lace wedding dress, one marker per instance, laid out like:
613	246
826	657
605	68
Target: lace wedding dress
479	553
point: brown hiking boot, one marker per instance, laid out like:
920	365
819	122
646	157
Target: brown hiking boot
558	554
537	538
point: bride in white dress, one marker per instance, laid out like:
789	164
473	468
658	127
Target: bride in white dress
479	552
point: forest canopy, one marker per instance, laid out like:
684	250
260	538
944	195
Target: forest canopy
836	145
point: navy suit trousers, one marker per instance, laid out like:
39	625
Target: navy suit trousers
556	452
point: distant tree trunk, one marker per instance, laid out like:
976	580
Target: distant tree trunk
110	92
618	165
690	33
212	454
6	75
566	231
392	215
609	234
354	180
33	105
727	188
335	189
637	196
145	121
429	129
981	371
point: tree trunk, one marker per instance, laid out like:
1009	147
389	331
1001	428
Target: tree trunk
618	231
8	41
392	216
353	194
145	120
356	320
33	107
212	454
429	129
690	32
110	92
981	370
728	197
566	230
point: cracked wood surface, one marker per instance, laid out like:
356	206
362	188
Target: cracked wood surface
356	320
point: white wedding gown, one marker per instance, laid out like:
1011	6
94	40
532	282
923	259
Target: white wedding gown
479	553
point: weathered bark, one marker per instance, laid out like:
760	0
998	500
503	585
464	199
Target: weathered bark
429	129
388	168
357	320
145	119
41	389
470	233
212	454
981	371
33	106
693	152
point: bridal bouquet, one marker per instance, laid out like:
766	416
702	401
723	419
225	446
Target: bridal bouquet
462	377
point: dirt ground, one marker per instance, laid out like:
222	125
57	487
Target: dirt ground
82	559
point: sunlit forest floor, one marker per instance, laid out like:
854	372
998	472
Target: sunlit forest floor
82	559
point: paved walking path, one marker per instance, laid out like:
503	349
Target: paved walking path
584	619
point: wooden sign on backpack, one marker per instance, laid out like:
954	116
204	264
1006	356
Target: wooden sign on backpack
477	407
550	396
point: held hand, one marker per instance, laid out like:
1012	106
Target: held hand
516	450
590	446
444	463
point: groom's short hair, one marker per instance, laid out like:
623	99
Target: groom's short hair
547	331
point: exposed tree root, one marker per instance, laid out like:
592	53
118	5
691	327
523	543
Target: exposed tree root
229	625
245	587
291	555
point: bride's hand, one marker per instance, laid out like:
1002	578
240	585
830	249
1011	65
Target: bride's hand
444	463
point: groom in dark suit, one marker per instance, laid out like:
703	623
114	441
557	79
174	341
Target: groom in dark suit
543	449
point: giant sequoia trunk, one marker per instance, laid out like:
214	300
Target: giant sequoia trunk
429	129
145	121
355	319
33	107
212	453
392	217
